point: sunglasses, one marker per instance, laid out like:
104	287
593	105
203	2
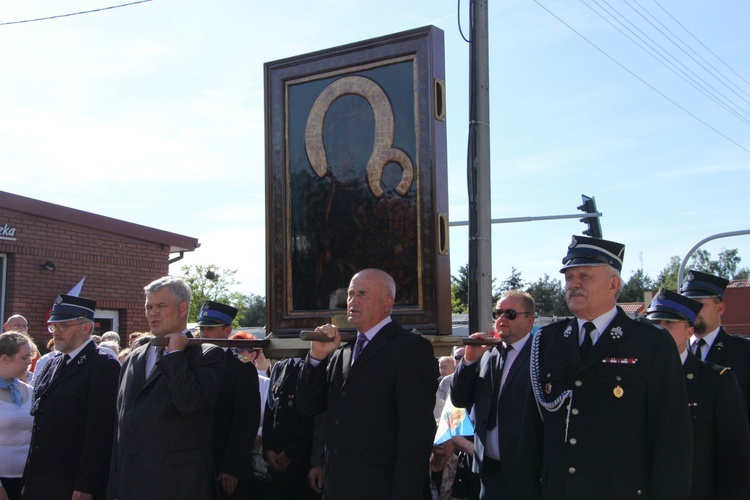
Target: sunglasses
508	313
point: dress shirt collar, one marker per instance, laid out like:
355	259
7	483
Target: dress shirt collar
600	323
370	334
710	338
77	350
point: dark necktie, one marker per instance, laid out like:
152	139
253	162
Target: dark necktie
587	344
492	417
361	341
159	353
698	351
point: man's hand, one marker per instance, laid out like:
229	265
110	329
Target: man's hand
272	459
474	352
321	350
79	495
283	461
177	342
315	478
228	482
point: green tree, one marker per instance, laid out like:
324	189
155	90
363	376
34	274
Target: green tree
252	309
632	291
460	291
512	282
549	296
727	266
667	278
208	283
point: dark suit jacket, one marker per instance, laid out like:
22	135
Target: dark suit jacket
284	427
74	423
721	459
236	417
627	432
733	351
163	439
475	385
379	425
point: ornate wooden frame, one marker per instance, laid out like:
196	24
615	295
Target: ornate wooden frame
356	177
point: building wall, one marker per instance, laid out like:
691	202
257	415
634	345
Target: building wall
116	270
736	317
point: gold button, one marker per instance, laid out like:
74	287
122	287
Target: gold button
572	470
573	441
574	411
579	383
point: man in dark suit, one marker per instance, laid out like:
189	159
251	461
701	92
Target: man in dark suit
496	382
379	398
610	390
165	407
237	410
721	452
711	342
74	410
287	435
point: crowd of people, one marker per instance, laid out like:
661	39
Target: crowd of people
595	406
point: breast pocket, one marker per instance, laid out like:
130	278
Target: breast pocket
620	381
552	380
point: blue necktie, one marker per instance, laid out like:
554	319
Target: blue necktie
361	341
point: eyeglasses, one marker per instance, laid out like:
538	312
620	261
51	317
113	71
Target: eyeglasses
508	313
61	328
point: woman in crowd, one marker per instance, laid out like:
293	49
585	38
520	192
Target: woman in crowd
15	404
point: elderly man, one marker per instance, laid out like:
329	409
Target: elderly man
610	391
721	455
16	323
165	407
496	382
74	410
379	394
710	342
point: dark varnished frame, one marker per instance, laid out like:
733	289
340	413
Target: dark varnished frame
430	313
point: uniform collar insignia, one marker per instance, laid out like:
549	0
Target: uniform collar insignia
568	331
81	359
616	332
720	345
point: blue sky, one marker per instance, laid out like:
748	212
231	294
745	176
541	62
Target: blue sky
153	114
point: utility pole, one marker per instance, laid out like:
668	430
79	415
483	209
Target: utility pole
480	229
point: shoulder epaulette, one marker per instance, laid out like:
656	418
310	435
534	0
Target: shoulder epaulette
556	323
721	370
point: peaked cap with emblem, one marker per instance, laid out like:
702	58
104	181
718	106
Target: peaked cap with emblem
700	285
671	306
68	307
584	251
215	314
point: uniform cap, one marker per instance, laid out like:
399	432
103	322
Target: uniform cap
215	313
700	285
671	306
584	251
68	307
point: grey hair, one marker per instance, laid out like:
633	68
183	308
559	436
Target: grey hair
178	287
614	273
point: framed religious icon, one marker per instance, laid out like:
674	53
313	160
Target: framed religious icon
356	178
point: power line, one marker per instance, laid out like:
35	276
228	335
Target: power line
641	79
73	13
668	60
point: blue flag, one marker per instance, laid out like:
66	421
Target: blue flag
453	422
